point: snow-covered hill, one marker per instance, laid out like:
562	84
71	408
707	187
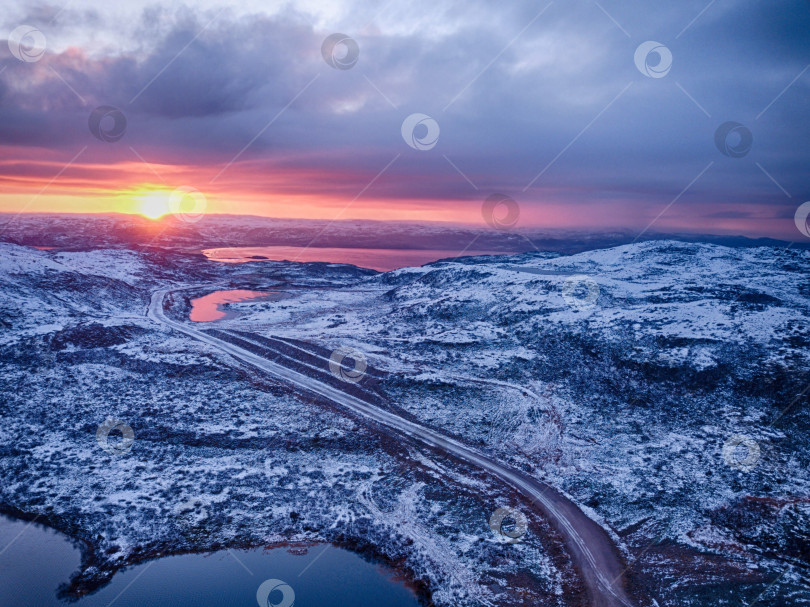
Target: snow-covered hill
619	374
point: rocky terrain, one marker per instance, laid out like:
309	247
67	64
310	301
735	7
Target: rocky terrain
661	385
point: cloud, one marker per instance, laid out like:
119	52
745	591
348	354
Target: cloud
516	95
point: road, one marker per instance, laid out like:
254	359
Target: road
591	548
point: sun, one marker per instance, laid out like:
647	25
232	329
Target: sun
153	205
154	201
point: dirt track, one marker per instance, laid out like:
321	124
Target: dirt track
590	546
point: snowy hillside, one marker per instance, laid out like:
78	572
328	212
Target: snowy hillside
619	374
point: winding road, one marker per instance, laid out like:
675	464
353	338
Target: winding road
591	548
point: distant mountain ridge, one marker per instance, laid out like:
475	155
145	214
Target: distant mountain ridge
81	232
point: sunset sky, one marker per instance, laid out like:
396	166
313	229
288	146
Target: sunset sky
538	101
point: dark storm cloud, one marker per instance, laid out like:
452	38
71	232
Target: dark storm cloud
730	215
228	67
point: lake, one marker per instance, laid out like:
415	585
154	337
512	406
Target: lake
35	561
382	260
212	306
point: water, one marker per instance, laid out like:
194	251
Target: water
211	307
382	260
35	561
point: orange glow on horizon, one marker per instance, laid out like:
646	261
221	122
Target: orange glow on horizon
188	191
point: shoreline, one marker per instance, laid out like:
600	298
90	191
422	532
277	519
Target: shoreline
78	585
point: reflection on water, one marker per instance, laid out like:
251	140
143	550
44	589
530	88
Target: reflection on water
382	260
35	561
211	307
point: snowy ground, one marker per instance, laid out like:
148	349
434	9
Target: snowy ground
620	387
